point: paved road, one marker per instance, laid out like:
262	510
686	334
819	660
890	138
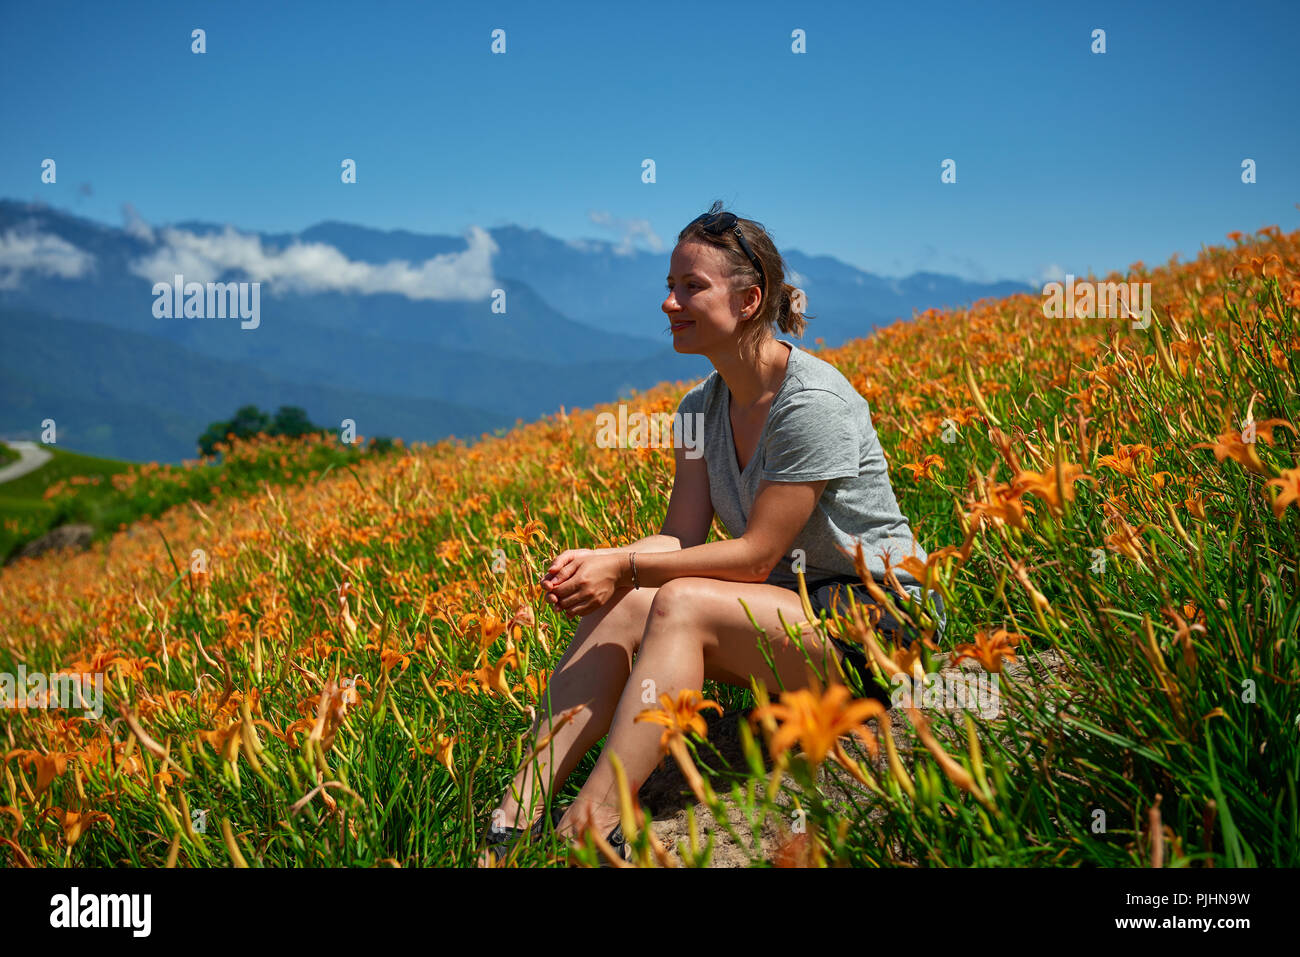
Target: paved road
33	457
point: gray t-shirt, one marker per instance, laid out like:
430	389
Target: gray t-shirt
818	427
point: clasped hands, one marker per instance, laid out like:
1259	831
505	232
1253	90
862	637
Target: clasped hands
580	580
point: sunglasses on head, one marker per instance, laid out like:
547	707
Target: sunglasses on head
715	223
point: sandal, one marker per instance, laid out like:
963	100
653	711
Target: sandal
618	842
501	840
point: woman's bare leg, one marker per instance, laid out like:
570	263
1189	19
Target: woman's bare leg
696	629
593	671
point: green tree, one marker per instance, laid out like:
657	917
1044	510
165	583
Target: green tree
249	420
292	421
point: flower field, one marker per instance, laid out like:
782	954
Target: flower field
338	668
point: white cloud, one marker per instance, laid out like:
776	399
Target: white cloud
40	253
586	245
319	267
134	225
1049	273
628	230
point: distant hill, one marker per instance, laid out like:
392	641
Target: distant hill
141	398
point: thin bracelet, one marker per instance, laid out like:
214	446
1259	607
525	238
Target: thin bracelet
632	558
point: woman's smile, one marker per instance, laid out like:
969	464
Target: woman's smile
679	324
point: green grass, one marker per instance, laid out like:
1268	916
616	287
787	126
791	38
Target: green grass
26	514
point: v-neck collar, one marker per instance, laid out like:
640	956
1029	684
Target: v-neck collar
726	415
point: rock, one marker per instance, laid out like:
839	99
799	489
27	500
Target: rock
65	536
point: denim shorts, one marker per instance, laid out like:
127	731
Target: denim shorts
826	593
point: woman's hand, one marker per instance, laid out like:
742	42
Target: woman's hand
581	580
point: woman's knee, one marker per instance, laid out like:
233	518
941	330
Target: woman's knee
622	619
679	595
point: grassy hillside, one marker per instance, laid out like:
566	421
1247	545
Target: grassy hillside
27	512
339	673
109	495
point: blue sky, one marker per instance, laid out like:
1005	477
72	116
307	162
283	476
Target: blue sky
1064	158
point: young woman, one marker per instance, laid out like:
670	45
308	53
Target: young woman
794	470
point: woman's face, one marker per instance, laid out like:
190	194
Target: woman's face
702	311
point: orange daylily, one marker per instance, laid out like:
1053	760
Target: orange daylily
1264	428
1002	505
226	740
990	649
1126	540
1289	483
1230	445
389	658
441	749
75	822
817	722
332	706
524	534
926	467
1264	266
48	766
1126	458
1050	487
680	716
494	676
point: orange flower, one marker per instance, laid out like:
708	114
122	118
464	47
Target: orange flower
48	766
1050	487
1127	457
442	749
225	741
818	722
390	658
490	629
925	573
680	716
524	534
449	550
494	676
1228	445
1126	540
990	649
74	822
1289	483
925	468
332	706
1002	505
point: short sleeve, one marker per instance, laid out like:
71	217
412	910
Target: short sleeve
688	415
813	436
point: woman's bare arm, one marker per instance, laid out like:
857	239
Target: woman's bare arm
780	511
690	507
